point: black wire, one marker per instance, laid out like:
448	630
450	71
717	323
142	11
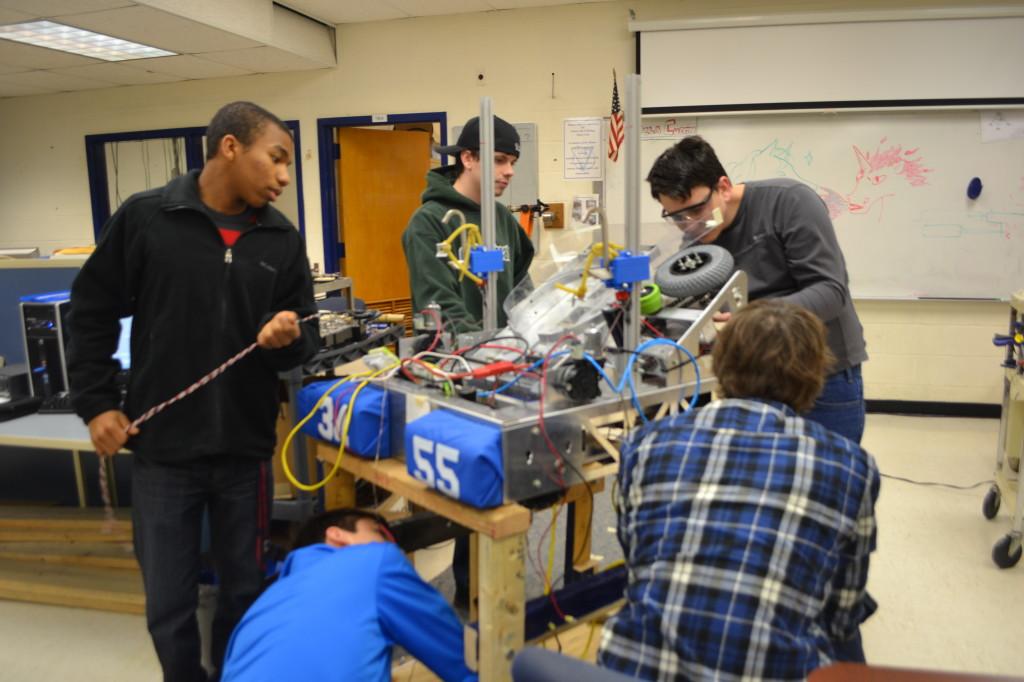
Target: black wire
939	485
684	363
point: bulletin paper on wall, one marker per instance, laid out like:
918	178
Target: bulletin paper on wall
582	153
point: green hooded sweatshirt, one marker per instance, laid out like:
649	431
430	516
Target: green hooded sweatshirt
432	279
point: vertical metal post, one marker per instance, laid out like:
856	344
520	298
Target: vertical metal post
537	230
631	119
487	217
602	202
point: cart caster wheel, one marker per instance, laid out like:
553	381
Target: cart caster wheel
1005	554
990	507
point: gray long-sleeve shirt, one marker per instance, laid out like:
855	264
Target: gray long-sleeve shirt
783	238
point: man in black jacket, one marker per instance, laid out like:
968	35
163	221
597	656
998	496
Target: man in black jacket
205	266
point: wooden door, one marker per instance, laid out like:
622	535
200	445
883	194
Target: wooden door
381	175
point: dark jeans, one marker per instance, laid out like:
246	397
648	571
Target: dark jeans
850	651
840	407
167	516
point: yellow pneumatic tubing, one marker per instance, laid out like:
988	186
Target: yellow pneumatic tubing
312	487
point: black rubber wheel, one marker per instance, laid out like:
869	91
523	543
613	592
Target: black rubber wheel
695	271
1002	555
990	507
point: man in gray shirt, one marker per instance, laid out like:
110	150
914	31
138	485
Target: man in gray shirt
779	232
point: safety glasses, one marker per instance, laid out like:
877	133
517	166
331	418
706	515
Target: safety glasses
687	214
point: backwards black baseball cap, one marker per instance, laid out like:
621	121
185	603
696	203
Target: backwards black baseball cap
506	138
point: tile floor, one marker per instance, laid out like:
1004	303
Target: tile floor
944	604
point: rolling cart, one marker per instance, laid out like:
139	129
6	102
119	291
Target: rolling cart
1007	552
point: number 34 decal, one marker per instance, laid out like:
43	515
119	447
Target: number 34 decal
432	461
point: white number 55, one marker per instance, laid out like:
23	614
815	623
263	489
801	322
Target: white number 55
443	455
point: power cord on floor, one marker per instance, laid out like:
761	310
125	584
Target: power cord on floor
940	485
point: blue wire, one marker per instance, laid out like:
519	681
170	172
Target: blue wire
627	376
636	400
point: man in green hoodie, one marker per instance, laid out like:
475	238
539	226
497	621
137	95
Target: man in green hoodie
458	186
432	280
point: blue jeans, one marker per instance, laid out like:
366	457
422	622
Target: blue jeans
840	407
850	651
167	517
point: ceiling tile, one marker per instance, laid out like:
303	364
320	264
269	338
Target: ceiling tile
18	90
190	66
10	16
351	11
158	29
32	57
121	73
425	8
10	68
49	80
519	4
51	8
262	60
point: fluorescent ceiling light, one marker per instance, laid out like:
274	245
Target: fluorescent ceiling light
70	39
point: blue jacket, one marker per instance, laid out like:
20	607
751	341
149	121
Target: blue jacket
334	614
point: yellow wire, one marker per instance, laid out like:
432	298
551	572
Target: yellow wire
474	239
581	290
555	508
586	647
311	487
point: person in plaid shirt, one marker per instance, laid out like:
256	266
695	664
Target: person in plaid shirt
746	529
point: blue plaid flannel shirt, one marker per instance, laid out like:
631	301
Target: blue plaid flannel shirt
746	531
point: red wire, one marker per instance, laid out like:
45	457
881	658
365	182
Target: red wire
652	327
554	451
433	370
540	409
440	327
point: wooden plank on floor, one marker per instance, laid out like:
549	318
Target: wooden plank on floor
67	517
119	591
71	536
117	556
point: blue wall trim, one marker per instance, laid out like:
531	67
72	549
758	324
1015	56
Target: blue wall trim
96	161
334	250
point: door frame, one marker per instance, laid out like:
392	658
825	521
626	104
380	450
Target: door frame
328	153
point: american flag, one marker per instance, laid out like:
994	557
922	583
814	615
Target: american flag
616	133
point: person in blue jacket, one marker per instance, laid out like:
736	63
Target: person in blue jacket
345	596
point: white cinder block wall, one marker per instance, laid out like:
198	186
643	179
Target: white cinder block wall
920	350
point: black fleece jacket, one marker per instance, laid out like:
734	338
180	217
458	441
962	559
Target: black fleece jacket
195	303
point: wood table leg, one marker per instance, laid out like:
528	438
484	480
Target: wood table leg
474	576
76	459
502	600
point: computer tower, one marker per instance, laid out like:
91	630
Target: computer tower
45	331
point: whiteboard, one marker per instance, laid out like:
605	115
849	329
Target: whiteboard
895	184
934	60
